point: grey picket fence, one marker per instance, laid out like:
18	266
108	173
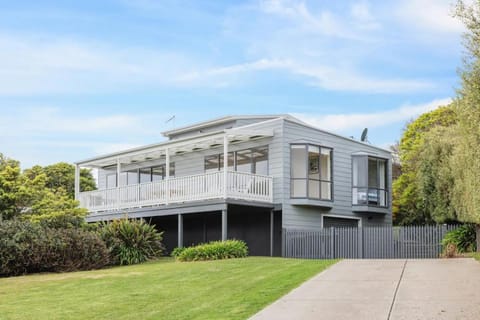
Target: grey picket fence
380	242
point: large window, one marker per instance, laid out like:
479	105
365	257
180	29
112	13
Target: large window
311	172
370	176
249	160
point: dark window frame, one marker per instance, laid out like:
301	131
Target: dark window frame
307	179
367	188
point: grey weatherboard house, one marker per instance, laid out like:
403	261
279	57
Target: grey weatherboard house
280	174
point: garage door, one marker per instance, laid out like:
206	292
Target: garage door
329	222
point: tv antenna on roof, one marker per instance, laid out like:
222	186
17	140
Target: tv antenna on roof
172	119
364	137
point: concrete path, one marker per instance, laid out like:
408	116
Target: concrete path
385	289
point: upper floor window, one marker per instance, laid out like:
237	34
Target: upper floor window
311	172
253	160
370	181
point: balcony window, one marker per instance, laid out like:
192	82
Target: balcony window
142	175
145	175
311	172
132	177
260	160
369	181
244	161
253	160
159	172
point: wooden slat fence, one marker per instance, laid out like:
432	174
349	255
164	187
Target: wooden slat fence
382	242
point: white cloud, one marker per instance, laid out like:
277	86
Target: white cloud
433	16
31	65
323	76
42	120
343	122
316	46
361	13
323	22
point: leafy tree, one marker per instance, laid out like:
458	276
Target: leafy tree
408	206
434	177
17	191
466	160
56	210
62	175
41	194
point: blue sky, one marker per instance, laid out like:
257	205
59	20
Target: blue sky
82	78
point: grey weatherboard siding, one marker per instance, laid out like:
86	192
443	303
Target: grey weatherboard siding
304	216
295	213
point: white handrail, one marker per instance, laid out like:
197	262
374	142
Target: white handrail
240	185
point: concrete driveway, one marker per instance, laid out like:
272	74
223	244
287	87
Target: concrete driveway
385	289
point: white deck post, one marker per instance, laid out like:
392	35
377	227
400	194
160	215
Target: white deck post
180	231
225	165
224	224
77	182
119	170
167	175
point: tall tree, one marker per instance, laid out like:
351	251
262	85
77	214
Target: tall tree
434	177
408	206
466	160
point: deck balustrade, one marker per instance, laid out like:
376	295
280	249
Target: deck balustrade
240	185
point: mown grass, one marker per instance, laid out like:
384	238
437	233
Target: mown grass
163	289
475	255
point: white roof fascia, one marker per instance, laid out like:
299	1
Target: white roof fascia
299	122
215	122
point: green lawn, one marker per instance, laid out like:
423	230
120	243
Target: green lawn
164	289
475	255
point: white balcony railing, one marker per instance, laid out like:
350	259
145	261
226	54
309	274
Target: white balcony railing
243	186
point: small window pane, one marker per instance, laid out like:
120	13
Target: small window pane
299	161
145	175
244	161
299	188
314	189
212	163
172	170
231	156
381	174
359	171
326	188
157	173
260	161
132	177
325	164
372	173
314	162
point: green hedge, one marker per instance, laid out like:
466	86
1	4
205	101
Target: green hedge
131	241
212	251
27	247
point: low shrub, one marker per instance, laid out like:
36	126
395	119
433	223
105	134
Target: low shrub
463	238
214	250
177	251
131	241
27	247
